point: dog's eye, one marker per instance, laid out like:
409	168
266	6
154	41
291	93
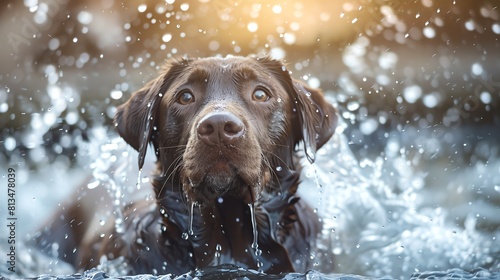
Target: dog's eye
185	98
260	95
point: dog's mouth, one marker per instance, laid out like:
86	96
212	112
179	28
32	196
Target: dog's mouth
221	177
222	168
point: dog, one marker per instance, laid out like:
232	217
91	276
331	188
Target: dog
225	132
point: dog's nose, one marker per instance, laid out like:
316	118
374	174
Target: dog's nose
220	127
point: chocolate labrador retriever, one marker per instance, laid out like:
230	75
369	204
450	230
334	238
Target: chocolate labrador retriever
225	132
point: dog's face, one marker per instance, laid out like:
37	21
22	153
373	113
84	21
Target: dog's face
222	126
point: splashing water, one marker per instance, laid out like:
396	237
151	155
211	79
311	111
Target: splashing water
373	223
109	151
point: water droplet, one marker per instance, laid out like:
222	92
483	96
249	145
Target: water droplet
258	252
353	106
166	37
142	8
252	26
93	184
412	93
138	185
477	69
429	32
184	7
277	9
116	94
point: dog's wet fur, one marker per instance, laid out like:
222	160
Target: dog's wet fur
225	132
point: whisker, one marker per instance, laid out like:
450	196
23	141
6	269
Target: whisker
279	158
281	145
179	157
177	166
271	169
173	147
166	197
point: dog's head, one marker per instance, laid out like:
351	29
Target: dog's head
225	126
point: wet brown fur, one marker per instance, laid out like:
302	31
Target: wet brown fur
259	167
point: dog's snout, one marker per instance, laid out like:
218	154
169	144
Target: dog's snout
220	127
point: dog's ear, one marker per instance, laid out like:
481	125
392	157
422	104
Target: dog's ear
317	117
135	119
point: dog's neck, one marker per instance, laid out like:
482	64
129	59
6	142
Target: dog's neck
227	236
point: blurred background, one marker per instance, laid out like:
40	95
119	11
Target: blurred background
418	78
419	68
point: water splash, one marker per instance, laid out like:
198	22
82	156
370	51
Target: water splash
375	218
110	173
370	203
